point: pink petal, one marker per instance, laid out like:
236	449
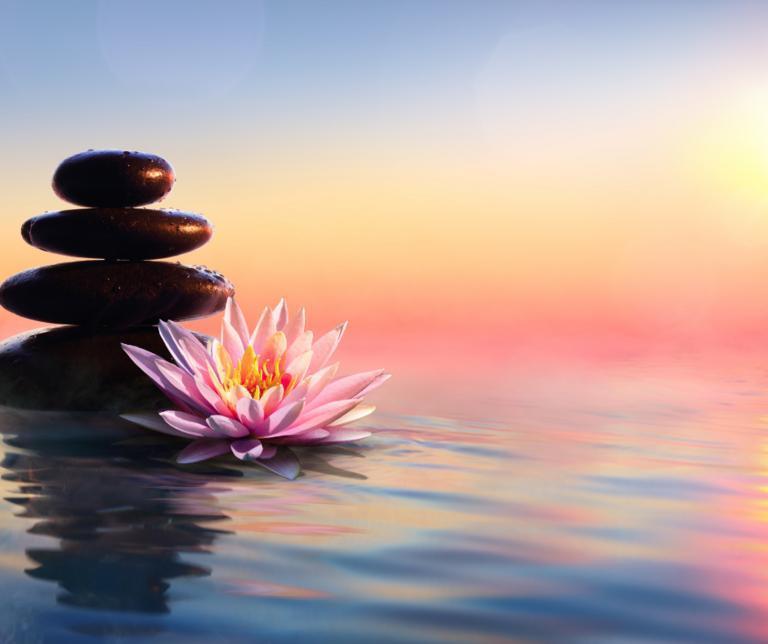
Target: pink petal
247	448
171	342
183	386
251	414
295	326
149	363
231	340
184	347
284	463
225	426
234	315
280	313
318	381
306	438
346	387
269	451
195	350
274	347
146	361
302	344
222	361
201	450
283	417
187	424
324	414
361	411
345	435
298	368
154	422
324	347
271	398
299	392
265	329
212	397
377	382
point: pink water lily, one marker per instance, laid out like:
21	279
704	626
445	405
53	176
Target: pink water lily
255	393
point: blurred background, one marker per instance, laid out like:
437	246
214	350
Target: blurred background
474	185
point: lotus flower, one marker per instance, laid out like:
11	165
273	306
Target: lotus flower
255	394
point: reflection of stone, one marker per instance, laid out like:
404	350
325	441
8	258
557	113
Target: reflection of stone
122	524
92	579
72	368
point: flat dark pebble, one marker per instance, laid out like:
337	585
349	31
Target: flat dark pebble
113	178
117	233
77	369
115	294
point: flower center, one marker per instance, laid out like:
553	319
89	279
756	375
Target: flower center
258	375
255	374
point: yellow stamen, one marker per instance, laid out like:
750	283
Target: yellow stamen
252	375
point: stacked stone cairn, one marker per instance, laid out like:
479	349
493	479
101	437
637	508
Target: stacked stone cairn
117	296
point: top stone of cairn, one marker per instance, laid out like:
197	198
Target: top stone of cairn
113	179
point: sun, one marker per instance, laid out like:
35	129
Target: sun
731	145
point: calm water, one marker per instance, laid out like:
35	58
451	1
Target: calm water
616	503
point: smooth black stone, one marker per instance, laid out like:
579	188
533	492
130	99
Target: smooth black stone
78	369
115	294
113	178
117	233
32	428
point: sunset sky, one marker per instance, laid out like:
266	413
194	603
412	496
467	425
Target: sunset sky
461	180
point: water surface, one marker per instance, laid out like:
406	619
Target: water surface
626	502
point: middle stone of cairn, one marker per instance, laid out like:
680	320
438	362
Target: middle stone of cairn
114	297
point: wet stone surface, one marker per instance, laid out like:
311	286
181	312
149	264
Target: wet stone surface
113	178
117	233
77	369
115	294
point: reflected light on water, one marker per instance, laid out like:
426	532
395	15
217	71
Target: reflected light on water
594	502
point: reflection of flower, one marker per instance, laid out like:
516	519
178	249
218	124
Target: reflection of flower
255	393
